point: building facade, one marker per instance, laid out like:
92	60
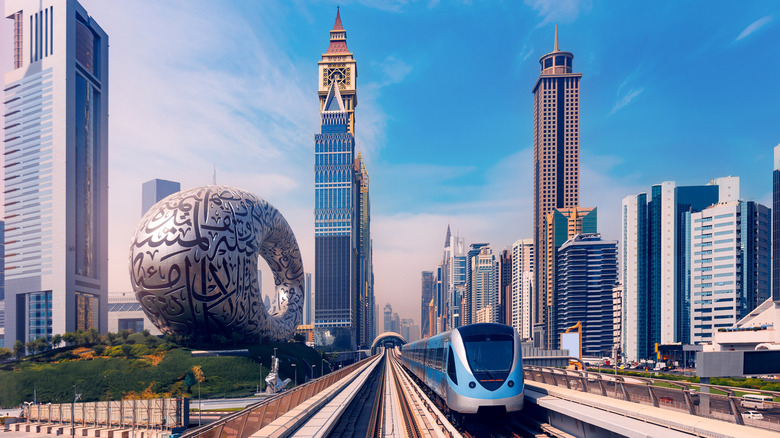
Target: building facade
586	277
522	287
560	225
428	284
556	150
730	274
655	256
484	286
308	303
56	171
364	263
776	226
467	310
344	288
505	287
126	313
155	190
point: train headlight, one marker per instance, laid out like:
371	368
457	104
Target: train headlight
472	385
510	383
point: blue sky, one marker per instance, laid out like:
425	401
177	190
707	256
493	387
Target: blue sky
682	91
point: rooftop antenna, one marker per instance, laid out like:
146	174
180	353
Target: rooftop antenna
555	49
214	177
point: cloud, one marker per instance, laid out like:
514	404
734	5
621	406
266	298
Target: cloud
394	70
754	26
558	11
627	98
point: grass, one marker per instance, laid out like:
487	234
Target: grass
54	374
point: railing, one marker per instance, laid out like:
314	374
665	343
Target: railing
158	413
647	391
254	417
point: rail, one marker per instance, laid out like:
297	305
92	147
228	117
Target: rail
412	428
254	417
157	413
377	417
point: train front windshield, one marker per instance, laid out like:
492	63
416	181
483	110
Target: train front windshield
490	351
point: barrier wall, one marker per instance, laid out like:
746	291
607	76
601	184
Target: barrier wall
158	413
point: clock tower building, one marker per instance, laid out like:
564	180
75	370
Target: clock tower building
338	65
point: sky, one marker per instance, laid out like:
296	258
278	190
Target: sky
671	91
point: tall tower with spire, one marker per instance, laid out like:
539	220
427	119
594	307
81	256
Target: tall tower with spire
342	265
339	66
556	153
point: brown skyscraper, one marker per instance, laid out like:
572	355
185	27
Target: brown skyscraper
556	148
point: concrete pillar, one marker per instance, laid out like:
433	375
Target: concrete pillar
704	396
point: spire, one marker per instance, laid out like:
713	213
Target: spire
555	49
337	25
214	176
448	238
333	102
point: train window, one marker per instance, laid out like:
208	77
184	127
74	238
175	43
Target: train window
489	351
451	367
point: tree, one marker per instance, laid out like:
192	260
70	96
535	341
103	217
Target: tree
56	340
189	380
127	350
99	349
124	334
5	354
92	336
145	333
111	337
70	337
299	338
197	371
18	349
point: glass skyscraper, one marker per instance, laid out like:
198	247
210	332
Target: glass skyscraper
344	295
586	276
56	181
656	260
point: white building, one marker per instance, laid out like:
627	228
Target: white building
56	171
522	287
125	313
730	260
484	275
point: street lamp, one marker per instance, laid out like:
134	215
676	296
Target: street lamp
76	397
295	374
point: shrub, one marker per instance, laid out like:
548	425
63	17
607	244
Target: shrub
99	349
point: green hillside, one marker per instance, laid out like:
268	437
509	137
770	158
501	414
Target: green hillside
139	371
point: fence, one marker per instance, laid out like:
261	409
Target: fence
643	390
244	423
158	413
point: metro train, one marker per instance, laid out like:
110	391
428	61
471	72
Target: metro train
474	369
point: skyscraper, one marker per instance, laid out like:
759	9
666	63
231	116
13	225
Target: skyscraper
586	277
504	282
556	148
467	310
656	259
2	284
484	286
776	226
308	302
560	225
365	269
428	284
56	164
730	265
337	197
522	287
155	190
388	317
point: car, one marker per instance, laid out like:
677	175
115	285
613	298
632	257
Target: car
753	415
668	400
